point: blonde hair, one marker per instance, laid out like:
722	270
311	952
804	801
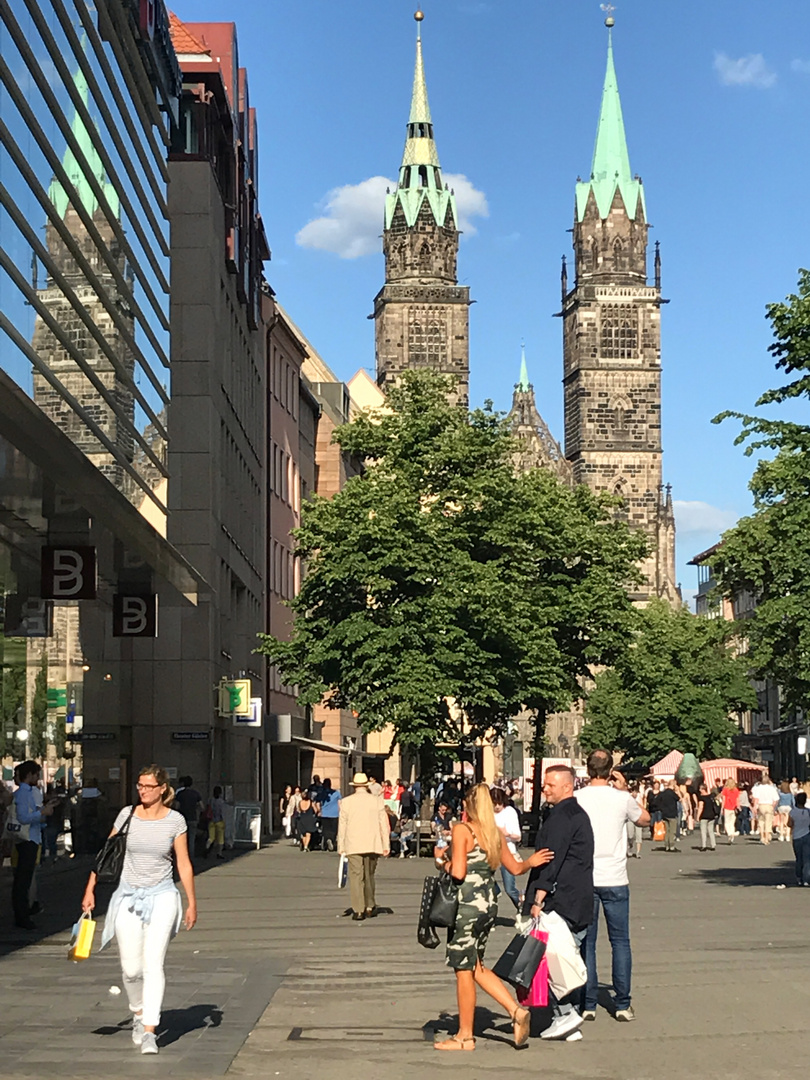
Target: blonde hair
478	803
731	783
162	777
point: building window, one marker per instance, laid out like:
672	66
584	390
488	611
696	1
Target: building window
619	332
427	337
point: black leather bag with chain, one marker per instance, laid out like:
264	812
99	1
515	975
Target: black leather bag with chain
444	907
110	860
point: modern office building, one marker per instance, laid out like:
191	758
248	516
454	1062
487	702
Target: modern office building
90	96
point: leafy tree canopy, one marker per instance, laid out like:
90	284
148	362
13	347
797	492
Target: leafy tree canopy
768	553
442	576
673	690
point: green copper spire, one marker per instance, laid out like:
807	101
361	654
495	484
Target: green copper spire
523	383
57	193
611	161
420	176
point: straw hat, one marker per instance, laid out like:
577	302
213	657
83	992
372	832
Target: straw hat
360	780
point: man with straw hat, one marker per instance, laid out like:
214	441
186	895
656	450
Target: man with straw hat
363	835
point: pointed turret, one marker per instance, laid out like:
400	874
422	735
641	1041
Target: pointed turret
523	382
76	173
538	447
420	175
611	161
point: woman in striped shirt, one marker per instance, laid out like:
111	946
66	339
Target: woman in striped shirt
146	910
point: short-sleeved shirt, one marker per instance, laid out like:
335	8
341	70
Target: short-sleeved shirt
766	794
609	810
800	816
148	858
708	808
187	802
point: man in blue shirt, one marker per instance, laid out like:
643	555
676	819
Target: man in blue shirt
330	812
32	815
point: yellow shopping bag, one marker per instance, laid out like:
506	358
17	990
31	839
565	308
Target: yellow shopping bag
81	941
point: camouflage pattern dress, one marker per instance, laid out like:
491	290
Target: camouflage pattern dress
477	908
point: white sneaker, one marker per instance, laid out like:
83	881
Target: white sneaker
149	1044
575	1036
625	1016
137	1031
563	1026
589	1014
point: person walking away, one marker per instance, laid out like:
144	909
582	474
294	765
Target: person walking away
363	836
799	819
730	801
293	810
794	787
652	808
565	884
707	819
330	812
216	824
146	909
744	812
478	847
507	820
783	808
635	831
765	797
188	802
667	803
307	821
31	814
54	826
610	807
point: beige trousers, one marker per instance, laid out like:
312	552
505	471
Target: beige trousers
730	822
765	815
362	869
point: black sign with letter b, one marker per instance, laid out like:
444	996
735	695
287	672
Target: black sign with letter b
135	616
68	573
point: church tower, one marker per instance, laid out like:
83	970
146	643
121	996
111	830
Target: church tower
538	449
421	313
612	346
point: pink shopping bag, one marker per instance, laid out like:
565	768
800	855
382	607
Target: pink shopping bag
537	994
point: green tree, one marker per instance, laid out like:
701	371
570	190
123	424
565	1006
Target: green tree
768	553
440	575
673	690
38	724
12	691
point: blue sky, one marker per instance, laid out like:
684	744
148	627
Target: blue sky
716	99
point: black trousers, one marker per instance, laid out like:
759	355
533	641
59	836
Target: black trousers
329	827
23	876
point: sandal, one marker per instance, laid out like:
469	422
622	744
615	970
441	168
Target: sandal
455	1043
521	1022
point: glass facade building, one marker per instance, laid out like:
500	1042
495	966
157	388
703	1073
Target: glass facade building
89	104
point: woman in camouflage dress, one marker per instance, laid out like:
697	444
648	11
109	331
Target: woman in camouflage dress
478	848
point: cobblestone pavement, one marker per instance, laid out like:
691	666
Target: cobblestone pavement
274	982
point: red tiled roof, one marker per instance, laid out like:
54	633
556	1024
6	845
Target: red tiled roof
183	40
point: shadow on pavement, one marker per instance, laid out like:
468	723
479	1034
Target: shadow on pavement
59	889
781	873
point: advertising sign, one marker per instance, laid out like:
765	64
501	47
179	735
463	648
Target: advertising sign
135	616
68	573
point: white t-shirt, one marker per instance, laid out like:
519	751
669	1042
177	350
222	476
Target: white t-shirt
609	810
765	793
508	822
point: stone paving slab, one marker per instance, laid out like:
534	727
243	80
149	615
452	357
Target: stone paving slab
274	982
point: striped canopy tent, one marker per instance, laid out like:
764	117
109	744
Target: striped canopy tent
744	772
667	766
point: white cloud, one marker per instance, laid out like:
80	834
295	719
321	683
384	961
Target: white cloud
801	66
751	70
701	517
352	218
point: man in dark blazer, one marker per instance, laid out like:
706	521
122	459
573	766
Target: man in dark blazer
565	885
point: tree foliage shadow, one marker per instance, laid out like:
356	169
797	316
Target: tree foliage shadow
781	873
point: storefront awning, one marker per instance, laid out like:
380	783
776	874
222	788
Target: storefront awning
316	744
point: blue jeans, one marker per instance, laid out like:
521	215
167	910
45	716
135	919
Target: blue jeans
510	886
801	849
615	902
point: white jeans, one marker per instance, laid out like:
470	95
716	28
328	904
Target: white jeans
143	950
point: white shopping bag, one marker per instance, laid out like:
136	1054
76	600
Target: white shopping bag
566	968
343	871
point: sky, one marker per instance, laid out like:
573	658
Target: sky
716	98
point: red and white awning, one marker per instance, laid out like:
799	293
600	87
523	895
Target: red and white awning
668	765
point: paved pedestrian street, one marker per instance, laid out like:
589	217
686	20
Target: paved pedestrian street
274	982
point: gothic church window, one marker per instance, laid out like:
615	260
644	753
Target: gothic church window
619	260
427	338
424	255
619	339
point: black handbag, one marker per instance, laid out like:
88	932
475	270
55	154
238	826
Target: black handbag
110	860
519	963
444	908
426	934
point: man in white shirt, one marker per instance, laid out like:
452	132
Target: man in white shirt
610	807
765	796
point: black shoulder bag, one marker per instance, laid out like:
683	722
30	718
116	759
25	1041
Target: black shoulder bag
110	860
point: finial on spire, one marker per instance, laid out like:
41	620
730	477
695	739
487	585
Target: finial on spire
608	9
419	16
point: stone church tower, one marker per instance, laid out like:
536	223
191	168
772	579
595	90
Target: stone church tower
612	346
538	447
421	313
103	387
